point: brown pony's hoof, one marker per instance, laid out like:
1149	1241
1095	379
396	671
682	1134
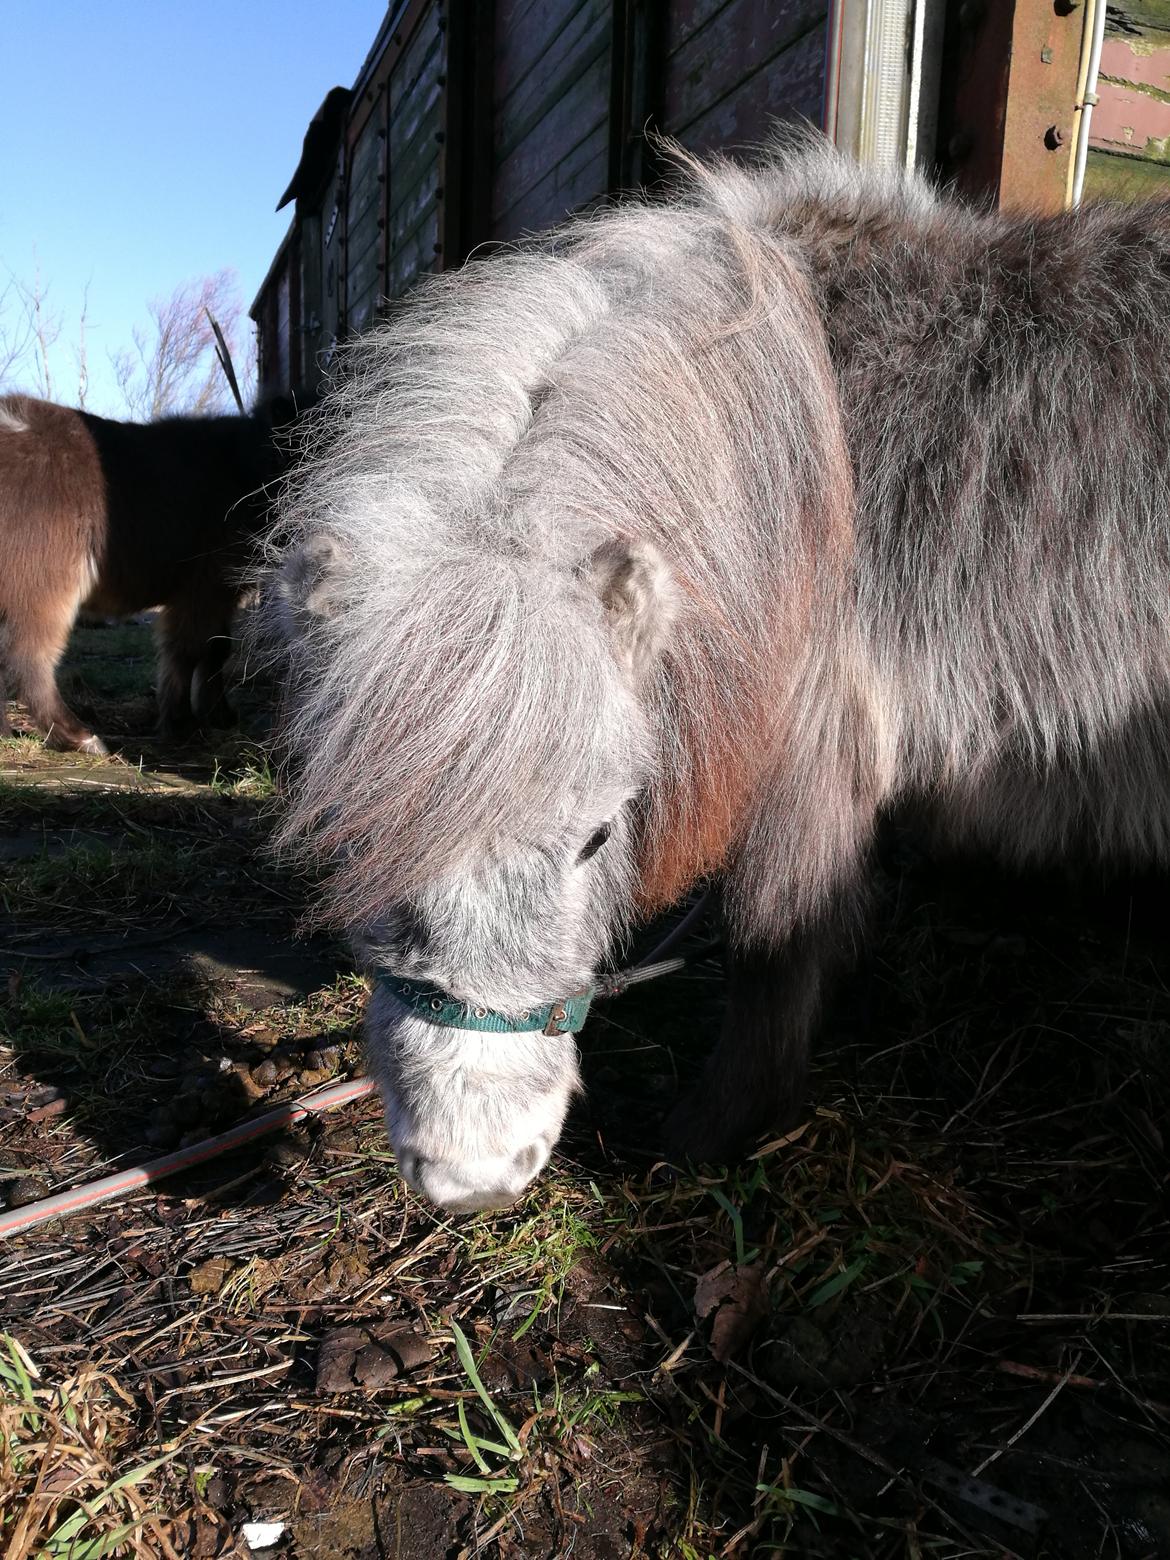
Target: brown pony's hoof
704	1129
80	742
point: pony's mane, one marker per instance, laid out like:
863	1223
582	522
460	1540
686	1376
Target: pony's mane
652	374
13	414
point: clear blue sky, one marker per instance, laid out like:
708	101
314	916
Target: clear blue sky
144	144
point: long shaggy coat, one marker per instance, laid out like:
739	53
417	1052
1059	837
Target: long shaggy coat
903	468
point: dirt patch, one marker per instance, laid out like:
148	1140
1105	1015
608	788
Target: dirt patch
932	1320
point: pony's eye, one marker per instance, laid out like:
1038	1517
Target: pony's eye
594	843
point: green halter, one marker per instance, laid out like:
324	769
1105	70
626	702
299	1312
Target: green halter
434	1006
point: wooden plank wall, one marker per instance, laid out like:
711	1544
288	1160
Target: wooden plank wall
550	111
416	109
1129	141
282	357
365	219
553	98
722	72
273	315
392	176
321	228
731	69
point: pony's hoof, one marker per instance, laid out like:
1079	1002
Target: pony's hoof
698	1132
61	742
690	1136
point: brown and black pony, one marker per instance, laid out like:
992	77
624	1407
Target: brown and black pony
112	518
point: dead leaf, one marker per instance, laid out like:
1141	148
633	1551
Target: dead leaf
342	1276
352	1357
737	1301
210	1276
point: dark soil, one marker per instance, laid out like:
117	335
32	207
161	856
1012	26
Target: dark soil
932	1320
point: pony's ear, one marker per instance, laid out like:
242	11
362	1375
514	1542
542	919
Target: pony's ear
308	584
639	599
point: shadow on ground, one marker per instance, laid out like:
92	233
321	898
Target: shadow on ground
932	1319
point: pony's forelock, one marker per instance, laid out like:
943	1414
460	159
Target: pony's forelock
653	374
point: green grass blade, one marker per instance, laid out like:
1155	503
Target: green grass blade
470	1442
467	1360
736	1218
470	1486
839	1282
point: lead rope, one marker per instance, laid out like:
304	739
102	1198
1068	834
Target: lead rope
75	1199
655	963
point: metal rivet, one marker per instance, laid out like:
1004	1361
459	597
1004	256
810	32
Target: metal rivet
526	1015
481	1012
436	1005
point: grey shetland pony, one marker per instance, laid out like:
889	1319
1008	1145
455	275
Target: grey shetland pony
683	544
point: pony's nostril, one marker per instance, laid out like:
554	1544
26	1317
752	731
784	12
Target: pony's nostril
528	1161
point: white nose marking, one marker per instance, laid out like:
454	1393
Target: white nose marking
472	1188
446	1188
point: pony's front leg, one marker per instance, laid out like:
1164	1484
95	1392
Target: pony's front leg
754	1081
36	642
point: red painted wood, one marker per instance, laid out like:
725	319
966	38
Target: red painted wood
1133	114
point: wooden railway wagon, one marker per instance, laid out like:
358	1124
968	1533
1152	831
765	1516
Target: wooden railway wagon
472	122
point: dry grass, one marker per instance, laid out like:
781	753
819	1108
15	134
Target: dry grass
930	1321
60	1447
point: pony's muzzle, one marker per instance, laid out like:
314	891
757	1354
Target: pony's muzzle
475	1187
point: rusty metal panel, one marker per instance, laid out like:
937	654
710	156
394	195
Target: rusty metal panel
1046	47
1008	86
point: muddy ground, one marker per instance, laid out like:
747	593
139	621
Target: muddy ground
933	1321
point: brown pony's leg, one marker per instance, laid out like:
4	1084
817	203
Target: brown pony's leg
34	649
754	1081
194	636
5	723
